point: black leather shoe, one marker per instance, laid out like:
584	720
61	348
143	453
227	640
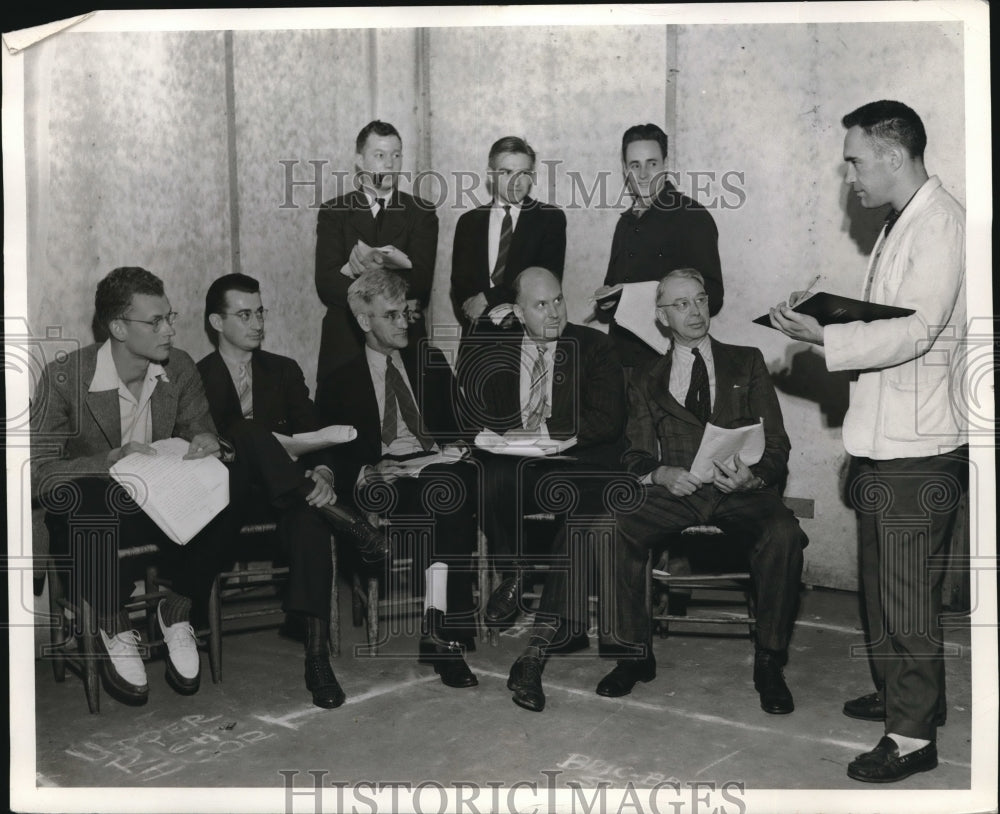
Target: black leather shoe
526	682
871	707
445	656
371	544
322	683
627	672
502	608
768	680
883	764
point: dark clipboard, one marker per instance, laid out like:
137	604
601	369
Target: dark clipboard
832	309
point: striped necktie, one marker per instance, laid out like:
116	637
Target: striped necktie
397	397
244	387
506	231
538	394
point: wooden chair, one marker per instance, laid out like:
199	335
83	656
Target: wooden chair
376	597
241	580
734	580
83	660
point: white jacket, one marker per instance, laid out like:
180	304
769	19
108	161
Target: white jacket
907	400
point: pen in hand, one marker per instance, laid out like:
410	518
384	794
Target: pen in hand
797	296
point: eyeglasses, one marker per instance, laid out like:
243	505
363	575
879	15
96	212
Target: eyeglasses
683	306
395	316
246	313
156	323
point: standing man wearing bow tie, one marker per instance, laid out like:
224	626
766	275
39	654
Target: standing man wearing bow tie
497	241
377	213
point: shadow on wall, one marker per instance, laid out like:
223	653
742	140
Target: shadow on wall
804	375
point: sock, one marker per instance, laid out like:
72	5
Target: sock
436	591
175	608
907	745
542	634
118	623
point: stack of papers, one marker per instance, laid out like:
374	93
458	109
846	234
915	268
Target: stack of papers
636	312
525	446
180	496
722	445
305	442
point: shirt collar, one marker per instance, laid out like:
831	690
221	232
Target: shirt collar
106	374
704	346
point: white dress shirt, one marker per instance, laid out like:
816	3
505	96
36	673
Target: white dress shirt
135	414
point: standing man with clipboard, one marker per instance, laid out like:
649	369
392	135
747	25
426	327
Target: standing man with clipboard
906	436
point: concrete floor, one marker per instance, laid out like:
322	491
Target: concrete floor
699	720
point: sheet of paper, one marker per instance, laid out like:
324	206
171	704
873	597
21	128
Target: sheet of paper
525	446
304	442
414	466
180	496
392	258
636	312
722	445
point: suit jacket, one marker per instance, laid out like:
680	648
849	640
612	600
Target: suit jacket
675	232
408	223
661	431
539	239
347	396
281	400
588	396
73	430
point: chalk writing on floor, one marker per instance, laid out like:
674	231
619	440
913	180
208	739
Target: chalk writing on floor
158	753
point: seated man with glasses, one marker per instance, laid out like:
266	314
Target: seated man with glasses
702	380
246	385
401	398
671	399
92	408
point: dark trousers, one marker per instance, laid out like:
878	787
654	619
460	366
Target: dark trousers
907	508
758	519
435	514
263	476
514	487
89	518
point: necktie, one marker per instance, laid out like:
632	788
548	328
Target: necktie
379	214
244	387
506	230
538	393
699	398
397	396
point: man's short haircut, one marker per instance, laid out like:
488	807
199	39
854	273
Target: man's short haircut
378	128
679	274
363	291
510	144
886	122
215	299
114	293
644	132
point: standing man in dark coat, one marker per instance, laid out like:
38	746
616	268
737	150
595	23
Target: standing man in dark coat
663	230
496	242
378	214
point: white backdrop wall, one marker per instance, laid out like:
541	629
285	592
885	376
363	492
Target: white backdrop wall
166	150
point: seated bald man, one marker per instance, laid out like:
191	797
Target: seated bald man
548	378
